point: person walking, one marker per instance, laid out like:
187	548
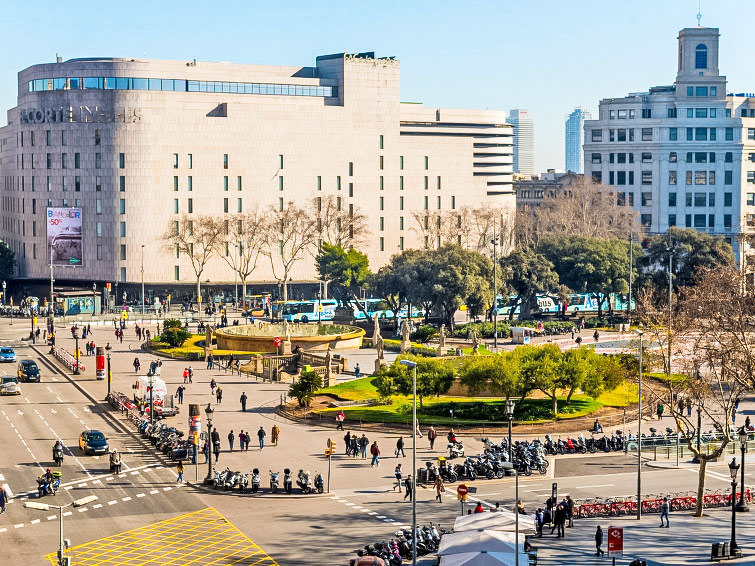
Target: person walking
191	373
275	435
419	432
397	474
659	410
375	451
206	451
215	437
261	435
558	521
209	362
664	512
357	371
137	365
539	515
3	499
439	489
689	407
347	441
219	395
596	335
364	442
400	447
243	401
408	484
569	510
242	439
180	394
431	436
340	417
231	438
599	541
354	446
213	385
186	375
180	472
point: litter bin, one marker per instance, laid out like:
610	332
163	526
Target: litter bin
422	475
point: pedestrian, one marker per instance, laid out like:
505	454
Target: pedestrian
689	407
733	414
572	333
559	520
242	437
375	451
261	435
540	520
659	410
596	335
180	394
191	374
400	447
231	438
89	328
159	368
569	510
664	512
431	435
578	340
439	489
347	441
215	437
275	435
206	451
186	375
409	487
137	365
3	499
209	362
419	432
397	474
747	423
357	371
680	404
340	417
180	471
247	440
478	508
364	442
243	401
599	541
353	446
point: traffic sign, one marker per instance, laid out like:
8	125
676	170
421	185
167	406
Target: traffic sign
616	540
462	491
277	341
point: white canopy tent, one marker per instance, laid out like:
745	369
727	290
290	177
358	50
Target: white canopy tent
499	521
480	541
484	559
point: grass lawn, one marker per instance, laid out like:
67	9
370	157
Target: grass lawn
622	396
675	377
355	390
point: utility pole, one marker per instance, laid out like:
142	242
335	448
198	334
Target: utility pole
495	288
142	280
631	265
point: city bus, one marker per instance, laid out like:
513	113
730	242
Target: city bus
545	303
373	307
255	305
308	311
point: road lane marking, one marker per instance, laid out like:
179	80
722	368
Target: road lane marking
97	506
52	517
154	491
167	488
68	513
35	521
124	499
82	509
140	495
112	502
18	525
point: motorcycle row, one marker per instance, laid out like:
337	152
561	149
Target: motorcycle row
399	548
167	439
229	480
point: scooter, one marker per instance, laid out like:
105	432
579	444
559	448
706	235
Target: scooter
255	480
273	481
243	483
304	481
287	484
57	456
455	449
319	483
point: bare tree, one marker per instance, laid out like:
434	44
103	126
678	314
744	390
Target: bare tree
290	233
194	238
339	223
429	226
241	242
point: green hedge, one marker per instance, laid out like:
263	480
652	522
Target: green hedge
485	329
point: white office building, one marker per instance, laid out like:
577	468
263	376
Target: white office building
134	145
683	154
573	130
524	141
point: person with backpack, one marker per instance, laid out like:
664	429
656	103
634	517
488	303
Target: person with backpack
261	434
431	436
400	447
397	474
364	442
375	451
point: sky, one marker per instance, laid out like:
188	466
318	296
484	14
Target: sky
548	56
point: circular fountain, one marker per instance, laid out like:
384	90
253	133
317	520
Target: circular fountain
262	336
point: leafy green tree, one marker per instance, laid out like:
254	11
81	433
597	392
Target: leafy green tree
691	251
540	369
527	273
578	371
434	377
347	270
304	389
458	275
7	262
396	281
500	373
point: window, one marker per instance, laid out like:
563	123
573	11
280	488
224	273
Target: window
672	178
727	199
77	184
611	135
711	200
647	157
713	91
381	223
621	157
175	182
729	134
671	112
176	273
99	229
711	177
175	161
647	199
48	137
597	135
621	199
672	157
699	220
611	157
225	205
630	198
381	141
225	183
319	182
688	178
382	203
673	134
122	183
351	168
750	199
701	177
700	200
381	183
122	206
427	202
380	162
621	177
711	220
427	162
690	91
122	160
338	182
597	176
611	114
239	205
712	112
647	113
621	135
728	177
622	114
438	199
631	134
596	158
175	206
351	189
611	178
427	182
671	220
701	91
189	183
280	183
712	134
49	160
751	176
690	158
438	182
712	157
646	219
123	252
672	200
225	161
751	133
64	160
701	112
453	202
401	243
729	157
701	157
382	244
190	205
280	204
647	177
238	183
123	230
701	56
189	160
727	221
401	162
63	138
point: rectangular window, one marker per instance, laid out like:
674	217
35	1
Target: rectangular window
727	199
438	182
225	205
122	206
175	182
597	177
351	168
225	161
750	199
225	183
400	222
63	138
382	244
621	199
175	206
701	177
713	91
280	204
701	134
646	199
672	200
401	182
123	252
597	135
701	112
238	183
121	160
382	203
647	134
728	175
727	221
712	134
647	113
338	182
427	162
122	183
98	161
671	220
729	157
672	157
239	205
280	183
647	157
49	160
711	177
621	177
280	161
401	162
189	183
77	161
401	243
99	229
401	203
64	161
176	274
712	112
351	189
647	177
175	161
427	182
690	158
711	220
672	134
672	177
49	184
123	230
48	137
622	114
688	178
711	200
671	112
621	135
631	134
712	157
381	223
380	162
688	220
596	158
438	199
621	157
700	200
690	134
701	157
98	206
381	183
99	251
319	182
751	176
701	91
729	134
427	203
189	160
611	135
453	202
646	219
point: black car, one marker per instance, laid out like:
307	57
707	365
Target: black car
93	442
28	371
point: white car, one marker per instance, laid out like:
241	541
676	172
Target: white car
10	385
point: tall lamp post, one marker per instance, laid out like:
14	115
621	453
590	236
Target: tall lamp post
108	347
413	366
494	241
639	434
76	350
209	411
510	404
142	279
46	507
319	308
734	550
742	506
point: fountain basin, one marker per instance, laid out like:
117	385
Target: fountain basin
260	337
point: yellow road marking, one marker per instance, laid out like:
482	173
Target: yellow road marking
202	537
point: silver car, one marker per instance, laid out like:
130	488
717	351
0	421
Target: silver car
10	386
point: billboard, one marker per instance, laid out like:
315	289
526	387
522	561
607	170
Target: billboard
64	236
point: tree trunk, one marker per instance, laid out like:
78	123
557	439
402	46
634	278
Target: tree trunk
568	395
285	288
325	289
700	486
554	398
243	289
199	291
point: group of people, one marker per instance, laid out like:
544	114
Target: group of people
555	514
244	440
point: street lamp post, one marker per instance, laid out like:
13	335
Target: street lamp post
413	366
319	308
107	349
209	411
510	404
46	507
494	241
76	350
142	279
733	548
516	519
742	506
639	434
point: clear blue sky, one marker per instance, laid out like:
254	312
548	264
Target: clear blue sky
548	56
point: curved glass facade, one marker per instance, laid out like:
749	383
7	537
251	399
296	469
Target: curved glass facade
178	85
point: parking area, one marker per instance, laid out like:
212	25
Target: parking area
201	537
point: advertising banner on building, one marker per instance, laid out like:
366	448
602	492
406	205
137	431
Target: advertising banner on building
64	238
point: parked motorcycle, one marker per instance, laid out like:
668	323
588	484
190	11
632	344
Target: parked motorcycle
287	483
304	481
273	481
255	480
